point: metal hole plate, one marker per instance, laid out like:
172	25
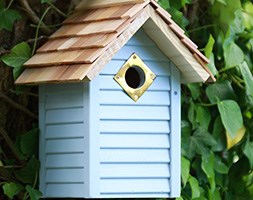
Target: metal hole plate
120	77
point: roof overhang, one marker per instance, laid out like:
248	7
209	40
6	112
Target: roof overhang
64	59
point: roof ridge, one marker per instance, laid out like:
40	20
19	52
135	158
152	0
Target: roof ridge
94	4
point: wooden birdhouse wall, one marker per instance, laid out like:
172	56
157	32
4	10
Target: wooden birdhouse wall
96	142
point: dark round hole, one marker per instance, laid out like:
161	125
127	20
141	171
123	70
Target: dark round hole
135	77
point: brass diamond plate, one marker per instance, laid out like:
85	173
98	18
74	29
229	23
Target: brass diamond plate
145	79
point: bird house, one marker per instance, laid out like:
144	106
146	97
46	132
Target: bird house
109	101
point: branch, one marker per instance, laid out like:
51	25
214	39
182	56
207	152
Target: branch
32	40
3	52
33	17
18	106
9	142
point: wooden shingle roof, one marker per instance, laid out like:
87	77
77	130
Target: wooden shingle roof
98	29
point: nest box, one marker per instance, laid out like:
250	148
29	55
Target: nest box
109	101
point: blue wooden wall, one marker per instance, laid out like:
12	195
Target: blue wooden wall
61	140
97	142
135	138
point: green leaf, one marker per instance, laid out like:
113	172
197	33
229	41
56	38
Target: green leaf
248	15
207	166
247	77
18	56
221	90
222	1
195	90
199	198
8	17
214	194
234	141
219	136
164	3
34	194
209	53
29	173
185	167
231	116
237	26
233	55
185	128
211	65
176	4
198	143
220	167
223	12
194	184
248	151
209	46
12	189
192	114
29	142
203	116
178	16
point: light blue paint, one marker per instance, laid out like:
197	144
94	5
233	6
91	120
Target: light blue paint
91	114
95	142
61	140
175	132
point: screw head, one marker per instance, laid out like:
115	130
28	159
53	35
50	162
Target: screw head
152	76
117	77
136	97
134	57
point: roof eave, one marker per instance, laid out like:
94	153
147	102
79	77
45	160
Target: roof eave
192	69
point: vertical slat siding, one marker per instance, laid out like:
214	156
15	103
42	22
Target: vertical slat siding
176	130
91	111
135	137
63	141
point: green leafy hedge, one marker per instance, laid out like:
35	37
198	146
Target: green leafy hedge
217	134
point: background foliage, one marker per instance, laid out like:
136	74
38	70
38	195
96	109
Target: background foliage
217	128
217	136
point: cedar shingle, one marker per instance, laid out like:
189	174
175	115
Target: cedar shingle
71	53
